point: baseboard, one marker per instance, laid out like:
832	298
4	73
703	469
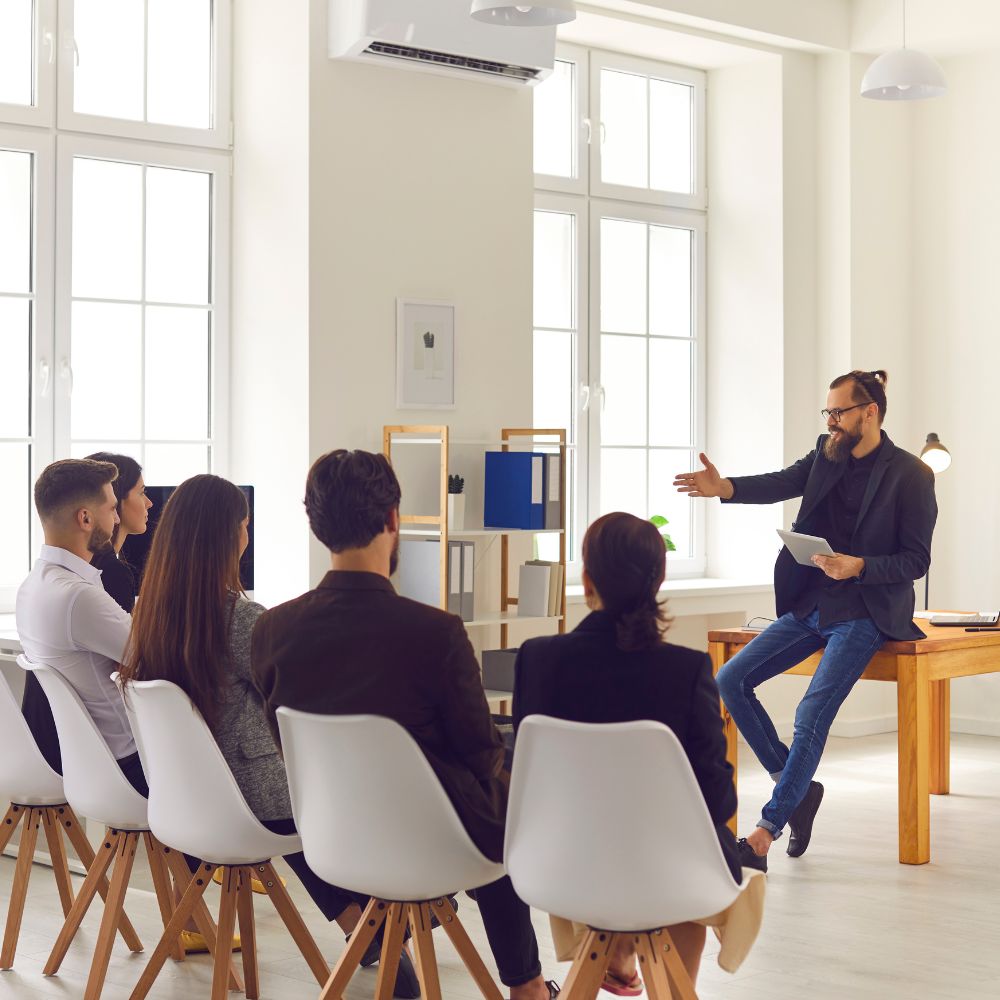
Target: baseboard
975	727
853	728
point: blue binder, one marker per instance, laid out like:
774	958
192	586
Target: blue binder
514	491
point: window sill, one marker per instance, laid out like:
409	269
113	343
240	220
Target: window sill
704	595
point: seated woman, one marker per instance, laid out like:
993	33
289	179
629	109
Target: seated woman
192	627
615	667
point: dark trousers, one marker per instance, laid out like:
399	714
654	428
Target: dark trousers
38	714
508	928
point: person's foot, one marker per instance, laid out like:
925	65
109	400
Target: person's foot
749	858
536	989
800	823
195	944
407	985
622	985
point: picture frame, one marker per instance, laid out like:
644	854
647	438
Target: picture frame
425	355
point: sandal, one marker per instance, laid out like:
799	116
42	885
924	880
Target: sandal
621	987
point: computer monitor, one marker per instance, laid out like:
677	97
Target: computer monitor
135	551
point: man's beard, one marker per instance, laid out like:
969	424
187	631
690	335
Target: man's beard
99	540
838	446
394	558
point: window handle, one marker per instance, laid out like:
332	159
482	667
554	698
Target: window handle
603	395
66	371
48	40
584	397
69	44
589	126
45	371
603	131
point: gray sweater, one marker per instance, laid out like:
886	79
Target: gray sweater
242	731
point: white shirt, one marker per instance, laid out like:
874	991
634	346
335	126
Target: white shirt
66	621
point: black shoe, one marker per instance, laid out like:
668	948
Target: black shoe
454	902
800	823
407	985
554	988
749	858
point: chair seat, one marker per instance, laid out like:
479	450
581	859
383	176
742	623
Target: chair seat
411	883
244	846
35	798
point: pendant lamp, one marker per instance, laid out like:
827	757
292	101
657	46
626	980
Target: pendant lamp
903	75
523	13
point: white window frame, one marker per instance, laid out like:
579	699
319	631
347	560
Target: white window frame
42	110
632	212
694	78
218	136
578	184
150	154
40	145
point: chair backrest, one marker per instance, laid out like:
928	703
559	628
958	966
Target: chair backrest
25	776
195	805
606	825
94	784
371	813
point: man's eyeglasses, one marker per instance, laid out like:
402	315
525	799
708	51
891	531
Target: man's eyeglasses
837	412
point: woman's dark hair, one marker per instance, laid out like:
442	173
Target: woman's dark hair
180	627
869	387
129	472
626	560
349	496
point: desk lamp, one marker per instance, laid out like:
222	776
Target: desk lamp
937	458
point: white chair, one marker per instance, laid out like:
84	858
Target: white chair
196	807
374	818
96	788
37	798
569	856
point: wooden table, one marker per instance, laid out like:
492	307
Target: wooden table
922	671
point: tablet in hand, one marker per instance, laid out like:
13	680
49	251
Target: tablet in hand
804	547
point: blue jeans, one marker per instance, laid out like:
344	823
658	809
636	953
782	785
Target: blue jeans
849	647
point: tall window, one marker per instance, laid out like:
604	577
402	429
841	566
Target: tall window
620	221
114	258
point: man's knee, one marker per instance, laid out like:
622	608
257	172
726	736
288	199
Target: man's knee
730	684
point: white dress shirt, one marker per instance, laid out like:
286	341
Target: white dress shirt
66	621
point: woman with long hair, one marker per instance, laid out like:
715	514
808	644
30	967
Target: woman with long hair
616	667
192	626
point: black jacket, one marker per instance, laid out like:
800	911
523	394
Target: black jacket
584	677
892	534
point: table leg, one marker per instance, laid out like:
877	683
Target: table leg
940	779
720	653
914	696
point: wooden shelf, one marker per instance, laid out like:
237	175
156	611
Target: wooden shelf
509	618
480	532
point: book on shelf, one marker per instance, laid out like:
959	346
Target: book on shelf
553	491
544	583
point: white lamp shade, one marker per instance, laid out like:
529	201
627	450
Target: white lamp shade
524	13
903	75
935	455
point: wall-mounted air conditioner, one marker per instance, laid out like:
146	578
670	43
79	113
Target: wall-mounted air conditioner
439	36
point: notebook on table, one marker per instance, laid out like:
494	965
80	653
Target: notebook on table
980	620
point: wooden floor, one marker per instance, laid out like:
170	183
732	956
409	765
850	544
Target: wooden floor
845	921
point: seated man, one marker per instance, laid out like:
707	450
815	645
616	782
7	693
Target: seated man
65	618
353	645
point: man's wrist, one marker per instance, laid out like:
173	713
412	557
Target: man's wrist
727	490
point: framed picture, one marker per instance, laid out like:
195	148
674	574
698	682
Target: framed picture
425	355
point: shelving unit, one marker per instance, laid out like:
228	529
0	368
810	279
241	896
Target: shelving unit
436	525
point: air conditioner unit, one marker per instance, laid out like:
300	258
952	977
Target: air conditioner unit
439	36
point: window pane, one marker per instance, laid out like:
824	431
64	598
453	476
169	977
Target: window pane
670	282
554	241
16	51
107	229
555	125
624	148
81	449
177	235
670	114
15	363
171	464
107	371
110	40
177	350
553	381
623	276
623	480
623	376
667	502
15	510
15	221
670	392
180	63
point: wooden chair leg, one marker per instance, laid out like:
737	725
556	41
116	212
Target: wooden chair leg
448	919
19	890
57	854
11	820
128	844
292	919
184	909
73	829
587	973
248	934
392	943
162	888
423	951
658	955
199	914
367	927
227	922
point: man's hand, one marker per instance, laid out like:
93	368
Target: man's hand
705	483
840	567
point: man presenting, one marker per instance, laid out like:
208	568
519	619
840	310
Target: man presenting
874	503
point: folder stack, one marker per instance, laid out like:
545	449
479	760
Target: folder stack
539	590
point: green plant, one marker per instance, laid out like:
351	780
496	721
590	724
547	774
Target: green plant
660	523
456	484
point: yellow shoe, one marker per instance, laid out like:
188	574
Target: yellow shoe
195	944
255	883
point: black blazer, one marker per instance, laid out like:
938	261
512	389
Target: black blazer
584	677
892	534
353	645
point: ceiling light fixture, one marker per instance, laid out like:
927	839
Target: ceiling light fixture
903	75
522	14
